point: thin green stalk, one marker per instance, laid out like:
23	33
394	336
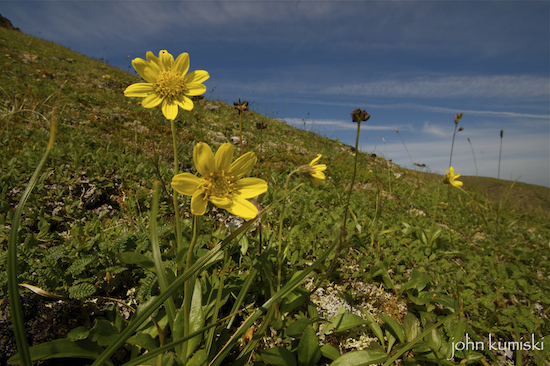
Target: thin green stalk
281	219
179	241
343	237
187	288
473	153
13	286
241	131
498	185
157	259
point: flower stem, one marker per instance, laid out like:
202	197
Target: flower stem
241	130
281	219
343	237
187	292
179	241
157	259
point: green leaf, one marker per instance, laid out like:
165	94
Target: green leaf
137	258
143	340
418	280
81	290
433	338
309	352
296	329
61	348
411	326
344	322
78	334
196	319
294	299
278	356
360	358
103	332
395	327
243	243
330	352
375	328
198	359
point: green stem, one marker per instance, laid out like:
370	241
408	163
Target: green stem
241	130
157	259
343	237
281	219
13	286
187	288
179	241
453	145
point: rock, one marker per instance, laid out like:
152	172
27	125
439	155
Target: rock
212	108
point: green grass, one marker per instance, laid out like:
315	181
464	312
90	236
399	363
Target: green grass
93	200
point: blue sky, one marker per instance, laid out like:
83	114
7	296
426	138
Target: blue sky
413	65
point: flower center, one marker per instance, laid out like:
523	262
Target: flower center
219	184
170	85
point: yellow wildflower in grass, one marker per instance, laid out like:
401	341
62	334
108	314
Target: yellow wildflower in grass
167	82
451	176
315	171
221	182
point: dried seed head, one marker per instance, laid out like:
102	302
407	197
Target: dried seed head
241	107
359	115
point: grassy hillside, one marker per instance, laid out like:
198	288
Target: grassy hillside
416	251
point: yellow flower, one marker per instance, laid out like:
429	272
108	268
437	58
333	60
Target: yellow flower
221	181
451	176
315	171
167	82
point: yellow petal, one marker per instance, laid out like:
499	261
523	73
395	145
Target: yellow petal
141	65
184	102
169	109
166	60
150	56
198	203
222	202
318	175
186	183
243	164
224	156
182	63
150	101
243	208
320	167
251	187
195	89
197	76
316	181
203	157
139	90
316	159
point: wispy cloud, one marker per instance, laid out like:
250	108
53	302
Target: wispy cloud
507	86
432	129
